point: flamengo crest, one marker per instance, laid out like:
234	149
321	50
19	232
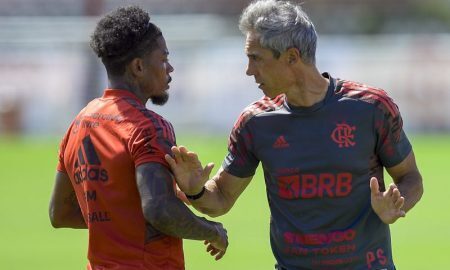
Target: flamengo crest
343	135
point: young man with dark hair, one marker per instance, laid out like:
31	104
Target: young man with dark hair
323	143
112	177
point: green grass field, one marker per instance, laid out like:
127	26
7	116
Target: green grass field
420	241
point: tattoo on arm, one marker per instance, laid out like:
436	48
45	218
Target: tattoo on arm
164	211
71	199
72	202
64	209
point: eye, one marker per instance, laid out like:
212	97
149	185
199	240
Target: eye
253	57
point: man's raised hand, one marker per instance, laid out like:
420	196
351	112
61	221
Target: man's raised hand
189	173
388	204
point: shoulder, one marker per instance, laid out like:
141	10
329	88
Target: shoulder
145	121
261	106
139	112
368	94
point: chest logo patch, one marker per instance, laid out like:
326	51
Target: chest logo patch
343	135
280	142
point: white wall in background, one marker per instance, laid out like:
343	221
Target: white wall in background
45	67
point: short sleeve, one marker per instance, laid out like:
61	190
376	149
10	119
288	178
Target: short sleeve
392	144
61	166
151	141
240	160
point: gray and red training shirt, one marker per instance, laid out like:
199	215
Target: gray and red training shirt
317	164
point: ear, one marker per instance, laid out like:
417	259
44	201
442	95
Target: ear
136	66
292	55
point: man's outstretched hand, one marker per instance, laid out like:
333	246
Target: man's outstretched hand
189	173
388	204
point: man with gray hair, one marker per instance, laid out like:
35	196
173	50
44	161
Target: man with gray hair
323	144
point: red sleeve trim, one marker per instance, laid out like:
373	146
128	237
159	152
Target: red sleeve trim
370	94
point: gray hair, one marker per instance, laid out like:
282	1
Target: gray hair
281	25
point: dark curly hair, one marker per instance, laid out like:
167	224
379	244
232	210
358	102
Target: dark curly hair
122	35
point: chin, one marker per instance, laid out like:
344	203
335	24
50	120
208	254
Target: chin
160	100
269	94
273	93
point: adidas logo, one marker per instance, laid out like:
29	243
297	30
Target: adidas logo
88	165
280	143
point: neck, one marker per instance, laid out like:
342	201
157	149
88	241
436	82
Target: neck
309	89
123	83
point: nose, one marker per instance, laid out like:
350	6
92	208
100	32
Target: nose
250	69
170	68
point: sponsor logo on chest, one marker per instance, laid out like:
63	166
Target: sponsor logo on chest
309	186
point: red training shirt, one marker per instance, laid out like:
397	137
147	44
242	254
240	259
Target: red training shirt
108	139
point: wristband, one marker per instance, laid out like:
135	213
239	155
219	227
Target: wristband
196	196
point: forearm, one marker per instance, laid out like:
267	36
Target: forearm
75	223
164	211
213	202
71	220
66	213
221	192
170	216
411	188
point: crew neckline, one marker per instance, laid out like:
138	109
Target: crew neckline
317	106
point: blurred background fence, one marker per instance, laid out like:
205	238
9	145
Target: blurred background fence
48	72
